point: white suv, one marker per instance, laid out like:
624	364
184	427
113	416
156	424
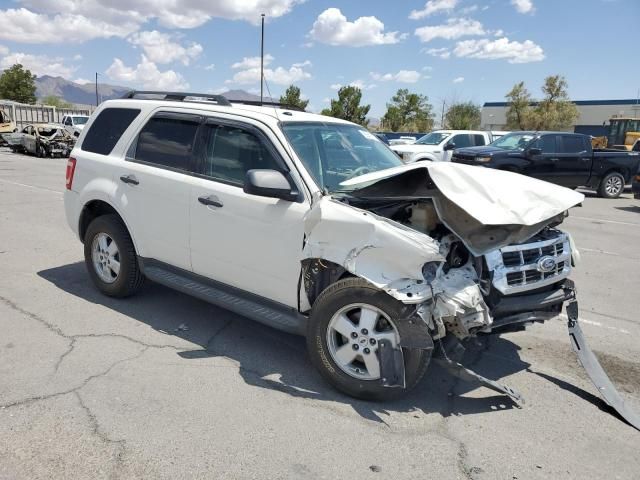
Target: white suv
438	145
313	226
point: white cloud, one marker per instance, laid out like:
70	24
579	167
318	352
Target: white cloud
211	67
469	9
163	47
431	7
458	80
252	62
454	28
77	57
249	72
82	20
24	26
38	64
513	51
403	76
3	50
326	100
356	83
523	6
333	28
82	81
439	52
147	74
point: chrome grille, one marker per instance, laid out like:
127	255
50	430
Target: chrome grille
518	268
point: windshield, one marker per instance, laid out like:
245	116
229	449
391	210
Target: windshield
333	153
80	120
433	138
513	141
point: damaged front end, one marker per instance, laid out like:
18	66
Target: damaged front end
468	250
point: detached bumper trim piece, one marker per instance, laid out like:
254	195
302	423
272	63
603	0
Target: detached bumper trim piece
594	369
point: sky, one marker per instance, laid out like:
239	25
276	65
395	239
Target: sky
449	50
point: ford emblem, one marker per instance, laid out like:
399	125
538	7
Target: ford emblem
546	264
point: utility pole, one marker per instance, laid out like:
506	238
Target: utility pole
262	60
97	99
442	116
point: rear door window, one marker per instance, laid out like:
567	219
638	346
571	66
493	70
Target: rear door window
461	140
107	129
167	140
479	140
572	144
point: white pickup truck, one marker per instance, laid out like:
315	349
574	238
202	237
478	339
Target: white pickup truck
312	225
438	145
74	123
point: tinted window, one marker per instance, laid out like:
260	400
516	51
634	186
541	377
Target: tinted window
168	141
636	147
572	144
478	140
231	151
107	129
547	144
461	141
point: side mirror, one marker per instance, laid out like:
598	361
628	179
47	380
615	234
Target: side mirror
269	183
449	146
532	152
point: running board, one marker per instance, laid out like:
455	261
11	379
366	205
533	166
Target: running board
243	303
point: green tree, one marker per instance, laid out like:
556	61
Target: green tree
463	116
556	111
347	106
409	112
54	101
18	84
519	111
292	97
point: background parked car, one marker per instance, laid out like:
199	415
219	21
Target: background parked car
563	158
42	140
6	125
74	123
438	145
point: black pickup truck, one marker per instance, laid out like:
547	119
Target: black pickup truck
562	158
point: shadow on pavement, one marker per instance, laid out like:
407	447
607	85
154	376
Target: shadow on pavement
274	360
631	208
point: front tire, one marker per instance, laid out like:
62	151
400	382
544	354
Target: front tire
611	186
111	258
346	322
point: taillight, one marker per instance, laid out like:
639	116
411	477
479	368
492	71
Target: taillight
71	169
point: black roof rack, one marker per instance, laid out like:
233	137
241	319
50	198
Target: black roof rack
258	103
177	96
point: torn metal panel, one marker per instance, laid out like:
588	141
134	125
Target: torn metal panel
386	253
595	371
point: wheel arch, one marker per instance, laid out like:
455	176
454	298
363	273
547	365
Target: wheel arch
95	208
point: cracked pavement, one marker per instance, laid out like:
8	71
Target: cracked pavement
92	387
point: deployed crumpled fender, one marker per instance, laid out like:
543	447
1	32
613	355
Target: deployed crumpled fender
384	252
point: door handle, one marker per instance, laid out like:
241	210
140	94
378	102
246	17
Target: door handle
585	159
554	159
130	179
211	200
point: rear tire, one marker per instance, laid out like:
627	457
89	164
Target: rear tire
344	298
611	186
111	258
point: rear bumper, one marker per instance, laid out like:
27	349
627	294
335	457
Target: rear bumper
71	205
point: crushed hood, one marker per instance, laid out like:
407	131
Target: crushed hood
486	208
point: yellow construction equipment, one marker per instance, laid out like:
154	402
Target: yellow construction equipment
623	132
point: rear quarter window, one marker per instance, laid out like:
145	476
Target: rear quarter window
107	129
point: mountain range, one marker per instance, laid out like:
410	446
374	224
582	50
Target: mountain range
85	93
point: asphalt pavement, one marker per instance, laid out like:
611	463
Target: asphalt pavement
162	385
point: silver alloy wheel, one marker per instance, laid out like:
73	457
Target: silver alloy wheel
105	257
353	336
614	185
